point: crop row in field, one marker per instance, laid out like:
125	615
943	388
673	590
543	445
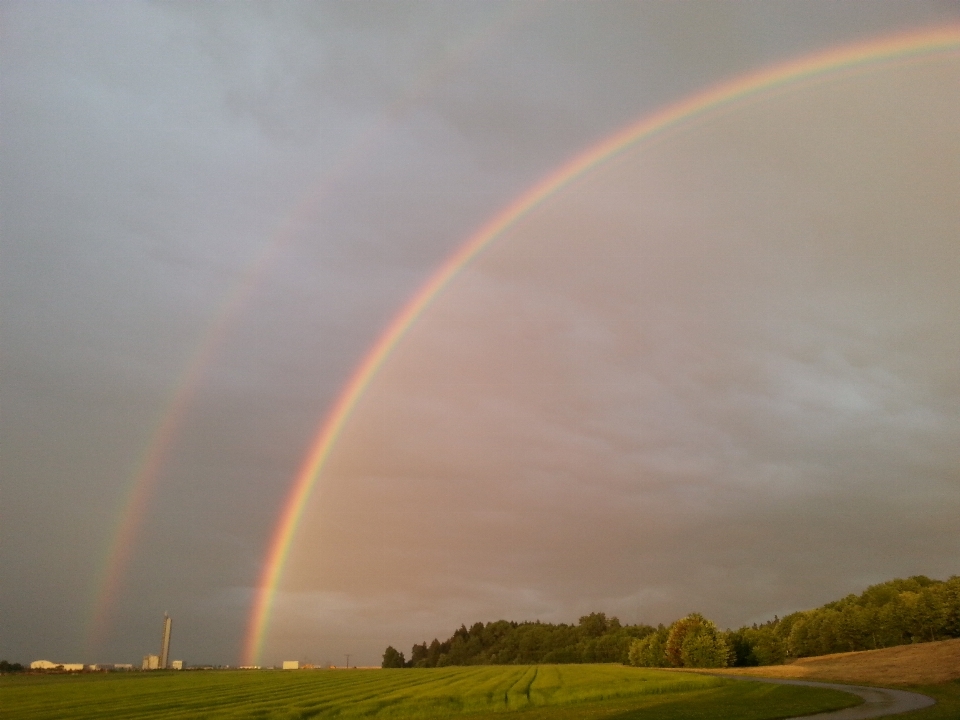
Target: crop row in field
394	694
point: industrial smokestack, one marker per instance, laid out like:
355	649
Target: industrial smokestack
165	645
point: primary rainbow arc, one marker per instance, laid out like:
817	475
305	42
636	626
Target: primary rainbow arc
896	48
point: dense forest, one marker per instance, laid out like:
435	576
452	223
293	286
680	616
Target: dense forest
595	638
897	612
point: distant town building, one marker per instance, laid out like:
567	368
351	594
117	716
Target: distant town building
93	668
47	665
150	662
165	642
177	665
122	666
291	664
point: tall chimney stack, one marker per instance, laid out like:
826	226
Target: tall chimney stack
165	645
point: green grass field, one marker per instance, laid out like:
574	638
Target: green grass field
557	692
947	696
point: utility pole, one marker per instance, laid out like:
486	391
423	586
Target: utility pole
348	660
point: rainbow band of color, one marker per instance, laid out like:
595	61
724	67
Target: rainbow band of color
883	50
147	472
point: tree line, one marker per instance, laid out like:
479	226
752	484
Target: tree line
595	639
898	612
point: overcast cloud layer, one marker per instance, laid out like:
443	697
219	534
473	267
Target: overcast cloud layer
720	374
154	154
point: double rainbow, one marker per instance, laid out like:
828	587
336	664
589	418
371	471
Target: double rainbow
182	394
898	48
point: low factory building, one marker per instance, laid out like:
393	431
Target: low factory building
47	665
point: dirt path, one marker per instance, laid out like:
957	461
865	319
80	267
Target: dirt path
878	702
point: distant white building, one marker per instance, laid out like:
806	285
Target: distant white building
47	665
291	664
177	665
150	662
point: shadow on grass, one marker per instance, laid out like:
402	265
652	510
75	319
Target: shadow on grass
738	701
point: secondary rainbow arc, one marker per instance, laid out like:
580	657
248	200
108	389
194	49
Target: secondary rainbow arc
883	50
147	471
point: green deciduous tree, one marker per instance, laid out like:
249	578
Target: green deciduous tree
694	641
392	658
650	651
705	648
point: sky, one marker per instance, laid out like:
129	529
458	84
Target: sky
717	373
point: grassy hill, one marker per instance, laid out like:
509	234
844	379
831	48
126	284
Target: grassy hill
927	663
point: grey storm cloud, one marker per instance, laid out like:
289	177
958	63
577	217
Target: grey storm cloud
718	374
249	192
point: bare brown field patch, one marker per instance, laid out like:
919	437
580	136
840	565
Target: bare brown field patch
929	663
